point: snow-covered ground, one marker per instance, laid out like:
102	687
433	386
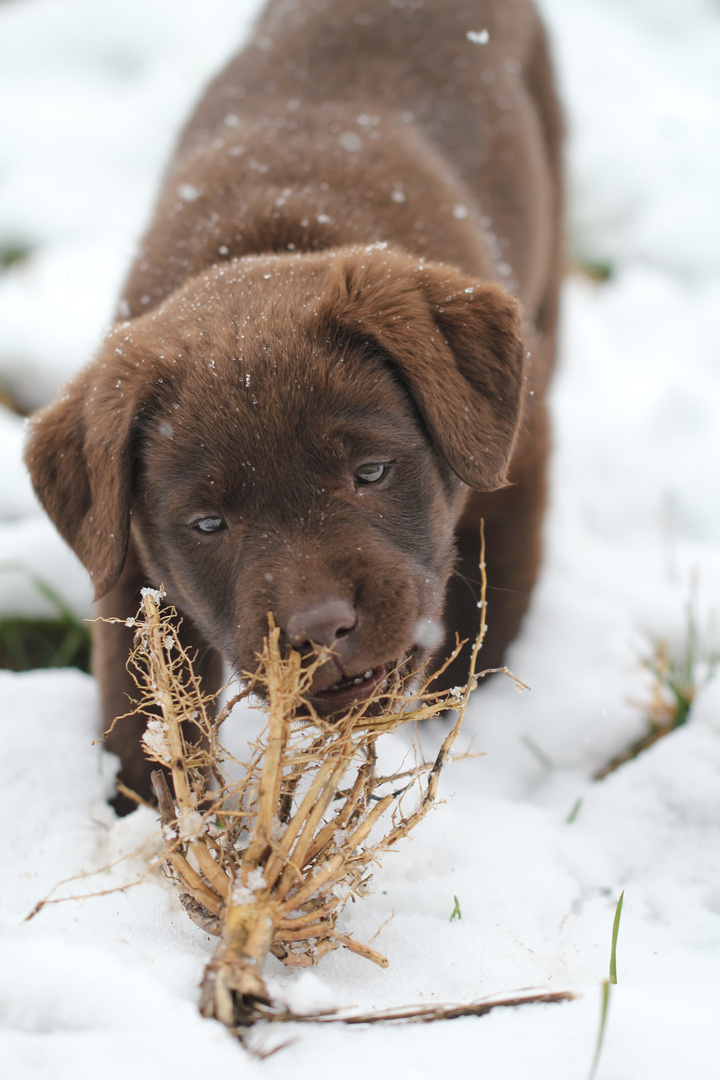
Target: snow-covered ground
91	95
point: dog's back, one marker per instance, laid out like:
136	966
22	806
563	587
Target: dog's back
389	94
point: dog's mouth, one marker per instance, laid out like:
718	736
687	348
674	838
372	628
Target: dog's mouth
349	689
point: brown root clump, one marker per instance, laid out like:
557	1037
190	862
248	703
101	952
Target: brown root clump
268	851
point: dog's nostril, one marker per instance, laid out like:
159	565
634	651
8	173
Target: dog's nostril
322	624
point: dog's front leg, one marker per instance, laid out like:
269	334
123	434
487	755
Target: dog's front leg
512	519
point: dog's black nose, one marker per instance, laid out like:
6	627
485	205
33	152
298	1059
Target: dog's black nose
322	624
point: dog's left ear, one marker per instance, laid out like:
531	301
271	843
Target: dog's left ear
78	454
456	342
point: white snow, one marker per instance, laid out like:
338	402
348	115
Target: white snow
155	739
93	94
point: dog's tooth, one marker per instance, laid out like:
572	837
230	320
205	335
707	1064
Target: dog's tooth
367	674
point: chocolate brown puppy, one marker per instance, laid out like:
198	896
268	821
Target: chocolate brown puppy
331	353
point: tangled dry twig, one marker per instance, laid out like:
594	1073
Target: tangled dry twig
268	859
268	853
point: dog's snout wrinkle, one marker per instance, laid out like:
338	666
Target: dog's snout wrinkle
324	623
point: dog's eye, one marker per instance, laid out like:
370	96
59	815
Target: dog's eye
209	524
372	473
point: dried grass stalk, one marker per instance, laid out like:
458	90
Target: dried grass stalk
422	1014
267	861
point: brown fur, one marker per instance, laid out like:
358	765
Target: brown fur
331	278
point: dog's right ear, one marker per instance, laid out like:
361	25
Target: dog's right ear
79	455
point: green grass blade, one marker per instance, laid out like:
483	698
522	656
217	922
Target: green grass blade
613	947
601	1032
538	753
610	981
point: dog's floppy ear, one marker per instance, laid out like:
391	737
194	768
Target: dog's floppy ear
78	454
455	341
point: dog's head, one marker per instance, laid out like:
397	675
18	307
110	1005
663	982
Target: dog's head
294	434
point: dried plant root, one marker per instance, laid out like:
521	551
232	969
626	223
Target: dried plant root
422	1014
268	861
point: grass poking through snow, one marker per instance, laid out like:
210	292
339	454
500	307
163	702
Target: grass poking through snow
609	982
28	643
676	678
